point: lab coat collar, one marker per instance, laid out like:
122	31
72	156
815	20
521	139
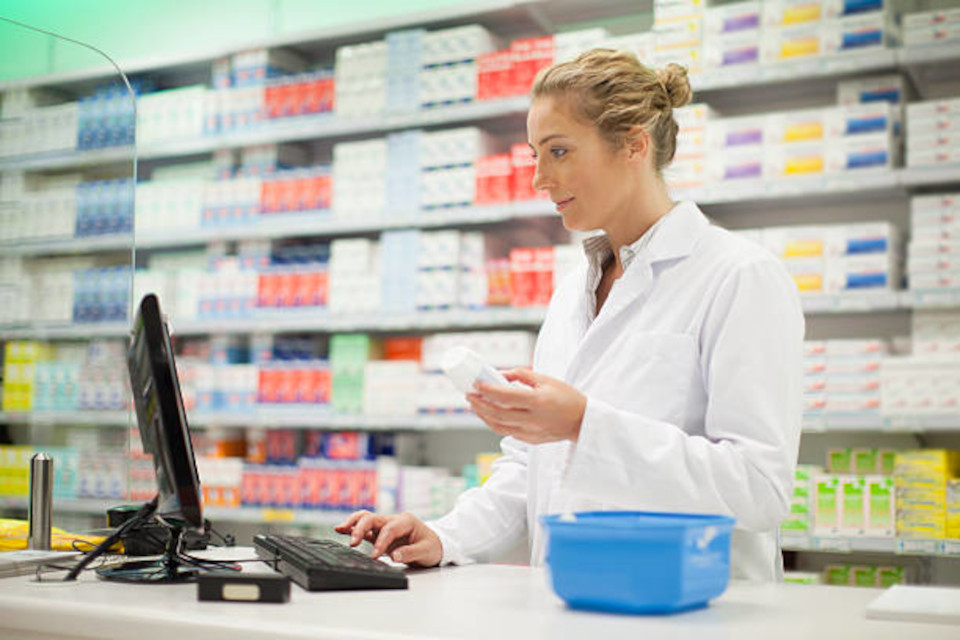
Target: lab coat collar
678	234
675	239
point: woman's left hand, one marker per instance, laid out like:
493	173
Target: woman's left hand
544	410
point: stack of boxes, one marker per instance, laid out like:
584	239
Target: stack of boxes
26	128
360	80
856	496
935	332
678	29
174	114
931	27
870	576
238	99
933	255
447	164
688	171
933	128
349	354
298	95
800	520
921	478
805	29
449	64
732	36
360	179
842	378
920	385
354	276
450	271
835	259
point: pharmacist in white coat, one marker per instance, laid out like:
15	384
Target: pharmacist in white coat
666	375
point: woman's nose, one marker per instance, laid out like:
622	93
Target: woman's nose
541	181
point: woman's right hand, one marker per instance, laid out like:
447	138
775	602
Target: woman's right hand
404	537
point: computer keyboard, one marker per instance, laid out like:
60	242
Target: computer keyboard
325	565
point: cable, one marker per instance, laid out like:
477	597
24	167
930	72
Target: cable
145	512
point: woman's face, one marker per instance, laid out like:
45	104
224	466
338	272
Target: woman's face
587	179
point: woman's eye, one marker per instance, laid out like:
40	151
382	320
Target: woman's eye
558	153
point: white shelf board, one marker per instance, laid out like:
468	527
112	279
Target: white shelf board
294	417
91	506
930	298
931	175
67	331
77	417
275	515
290	321
869	544
929	54
321	126
876	423
793	70
852	302
62	246
67	159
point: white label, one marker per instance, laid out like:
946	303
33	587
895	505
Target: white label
247	592
832	544
916	546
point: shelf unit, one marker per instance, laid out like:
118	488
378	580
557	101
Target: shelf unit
866	544
307	417
509	17
304	320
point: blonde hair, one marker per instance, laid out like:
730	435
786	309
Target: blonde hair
616	92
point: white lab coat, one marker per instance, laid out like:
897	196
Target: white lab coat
692	376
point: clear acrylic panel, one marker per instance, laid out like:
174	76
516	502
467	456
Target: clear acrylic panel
67	187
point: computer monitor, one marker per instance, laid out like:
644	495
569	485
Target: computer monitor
166	437
162	419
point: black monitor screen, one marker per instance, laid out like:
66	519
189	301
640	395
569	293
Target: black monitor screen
161	418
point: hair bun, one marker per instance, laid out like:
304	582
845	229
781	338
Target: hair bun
674	79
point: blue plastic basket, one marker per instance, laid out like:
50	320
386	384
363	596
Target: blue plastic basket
638	562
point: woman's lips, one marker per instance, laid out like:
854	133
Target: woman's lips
563	204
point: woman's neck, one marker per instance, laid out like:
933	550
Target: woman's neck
643	210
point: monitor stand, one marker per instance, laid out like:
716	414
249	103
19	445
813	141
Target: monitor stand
162	570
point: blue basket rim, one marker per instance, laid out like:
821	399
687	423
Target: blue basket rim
623	519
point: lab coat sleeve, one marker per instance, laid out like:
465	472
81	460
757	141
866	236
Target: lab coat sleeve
490	519
751	344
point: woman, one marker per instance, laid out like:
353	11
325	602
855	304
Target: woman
666	374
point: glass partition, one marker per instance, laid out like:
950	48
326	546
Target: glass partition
67	189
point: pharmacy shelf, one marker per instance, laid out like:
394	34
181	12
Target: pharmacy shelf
89	506
931	54
873	423
306	418
322	223
852	302
74	418
930	299
795	70
931	176
99	506
868	544
306	321
292	321
68	159
87	331
306	517
67	246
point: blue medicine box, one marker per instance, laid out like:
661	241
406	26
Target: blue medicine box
638	562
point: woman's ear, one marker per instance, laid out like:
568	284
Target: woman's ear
638	145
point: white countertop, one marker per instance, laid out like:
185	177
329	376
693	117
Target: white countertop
482	602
